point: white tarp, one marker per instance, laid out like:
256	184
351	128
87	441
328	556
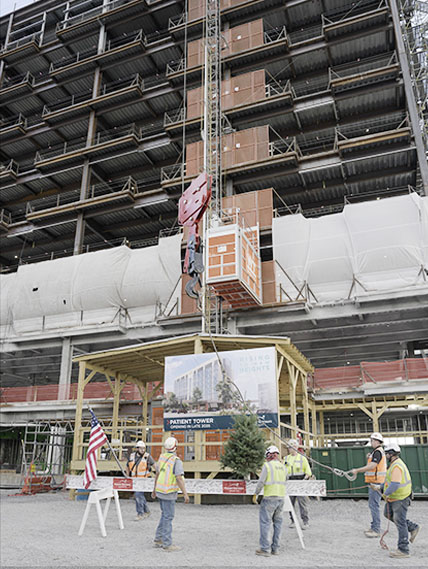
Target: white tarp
89	288
369	248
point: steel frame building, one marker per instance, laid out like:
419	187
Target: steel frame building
97	127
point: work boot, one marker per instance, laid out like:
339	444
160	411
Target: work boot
172	548
292	525
414	533
275	552
262	552
371	533
138	518
158	543
305	526
398	553
146	515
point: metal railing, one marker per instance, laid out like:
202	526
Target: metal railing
19	120
172	172
5	217
93	13
275	35
352	10
96	190
11	167
361	67
100	137
114	86
36	37
111	45
369	127
282	146
18	80
306	34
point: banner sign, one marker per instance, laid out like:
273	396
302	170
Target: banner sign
198	486
198	395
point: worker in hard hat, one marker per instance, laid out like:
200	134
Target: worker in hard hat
139	465
397	491
374	474
272	482
298	469
169	479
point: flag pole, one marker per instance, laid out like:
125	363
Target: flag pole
113	453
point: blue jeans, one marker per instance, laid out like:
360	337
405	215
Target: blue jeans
141	503
374	506
303	506
164	529
270	512
397	513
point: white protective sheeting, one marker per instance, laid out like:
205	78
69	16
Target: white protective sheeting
89	289
369	248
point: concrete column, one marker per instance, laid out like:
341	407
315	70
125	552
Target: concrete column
80	224
6	40
410	96
65	369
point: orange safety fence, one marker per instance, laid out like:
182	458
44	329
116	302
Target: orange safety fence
408	369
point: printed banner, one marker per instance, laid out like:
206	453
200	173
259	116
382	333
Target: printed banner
200	395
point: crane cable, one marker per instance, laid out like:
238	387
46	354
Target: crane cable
336	471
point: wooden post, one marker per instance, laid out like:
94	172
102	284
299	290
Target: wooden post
293	375
305	410
322	431
314	424
116	402
78	420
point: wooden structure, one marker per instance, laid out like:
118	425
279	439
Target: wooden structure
143	365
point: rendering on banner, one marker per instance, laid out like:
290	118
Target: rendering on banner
197	396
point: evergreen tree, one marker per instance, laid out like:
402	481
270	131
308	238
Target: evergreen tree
244	452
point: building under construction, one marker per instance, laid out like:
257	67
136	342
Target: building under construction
314	115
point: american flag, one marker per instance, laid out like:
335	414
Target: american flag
97	439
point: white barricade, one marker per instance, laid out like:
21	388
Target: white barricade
95	498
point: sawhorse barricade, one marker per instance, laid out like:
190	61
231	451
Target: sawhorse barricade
95	498
205	486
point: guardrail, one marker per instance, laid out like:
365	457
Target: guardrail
14	81
19	120
89	14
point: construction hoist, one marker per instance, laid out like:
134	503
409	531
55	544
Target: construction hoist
191	208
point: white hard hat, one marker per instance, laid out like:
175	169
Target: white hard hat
293	443
272	450
140	444
377	436
393	447
170	443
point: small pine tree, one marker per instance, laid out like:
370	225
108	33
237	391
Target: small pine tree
244	452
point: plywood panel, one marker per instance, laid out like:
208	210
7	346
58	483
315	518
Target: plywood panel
244	37
195	53
194	103
188	305
194	158
195	9
268	282
255	207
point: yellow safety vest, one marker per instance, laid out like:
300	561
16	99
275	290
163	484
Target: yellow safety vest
141	470
298	464
276	477
378	474
405	488
167	482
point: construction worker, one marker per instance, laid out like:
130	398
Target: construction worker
272	481
374	474
169	478
397	491
298	469
139	465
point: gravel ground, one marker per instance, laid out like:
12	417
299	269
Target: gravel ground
41	531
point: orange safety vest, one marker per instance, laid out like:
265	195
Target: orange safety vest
377	476
139	470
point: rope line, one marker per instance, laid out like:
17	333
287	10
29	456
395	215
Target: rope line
336	471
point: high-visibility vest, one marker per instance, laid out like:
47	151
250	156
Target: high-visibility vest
405	488
167	481
276	477
298	464
138	468
377	475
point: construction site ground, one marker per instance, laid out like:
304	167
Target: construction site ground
41	531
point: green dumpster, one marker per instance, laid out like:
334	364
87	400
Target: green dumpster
346	458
